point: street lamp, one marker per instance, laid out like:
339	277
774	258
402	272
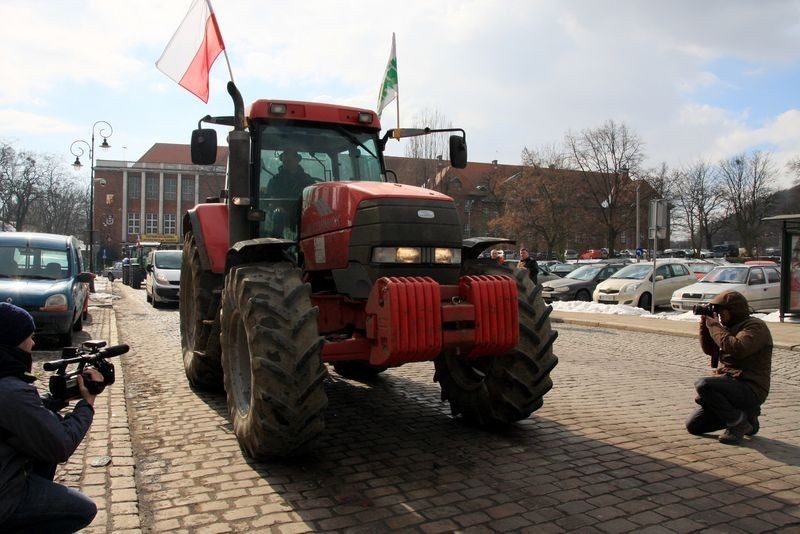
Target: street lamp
77	150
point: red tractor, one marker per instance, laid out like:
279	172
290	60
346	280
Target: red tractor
348	268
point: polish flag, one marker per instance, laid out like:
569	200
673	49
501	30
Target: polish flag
188	57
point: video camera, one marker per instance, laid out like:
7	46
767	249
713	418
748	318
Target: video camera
708	310
64	385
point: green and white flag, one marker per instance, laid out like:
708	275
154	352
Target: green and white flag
389	85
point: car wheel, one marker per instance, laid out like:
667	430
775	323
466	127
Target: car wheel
583	296
644	301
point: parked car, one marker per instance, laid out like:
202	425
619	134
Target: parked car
114	272
759	284
570	254
593	254
705	253
561	269
700	268
43	273
162	283
725	251
632	285
579	283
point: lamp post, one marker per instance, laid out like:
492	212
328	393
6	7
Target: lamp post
77	150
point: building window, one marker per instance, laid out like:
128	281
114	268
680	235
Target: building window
134	187
170	188
187	189
151	187
151	223
169	223
133	224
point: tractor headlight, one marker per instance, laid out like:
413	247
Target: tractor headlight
397	255
447	255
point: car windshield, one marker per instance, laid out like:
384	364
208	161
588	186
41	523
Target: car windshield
701	267
35	263
634	272
727	275
168	259
587	272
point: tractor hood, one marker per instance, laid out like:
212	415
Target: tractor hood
332	206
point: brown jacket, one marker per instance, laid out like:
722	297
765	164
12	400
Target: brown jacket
745	352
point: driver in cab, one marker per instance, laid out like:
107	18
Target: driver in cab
291	179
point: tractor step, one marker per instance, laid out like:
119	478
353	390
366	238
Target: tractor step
208	322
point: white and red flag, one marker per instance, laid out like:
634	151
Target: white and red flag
197	43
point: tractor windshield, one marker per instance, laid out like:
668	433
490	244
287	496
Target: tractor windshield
292	157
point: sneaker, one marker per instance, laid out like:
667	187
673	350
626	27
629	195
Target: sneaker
733	435
753	420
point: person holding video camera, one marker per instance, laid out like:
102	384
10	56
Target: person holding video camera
740	347
33	439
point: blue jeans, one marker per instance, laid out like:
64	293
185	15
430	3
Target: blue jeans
50	507
723	400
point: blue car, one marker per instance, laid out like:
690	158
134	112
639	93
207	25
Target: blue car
42	273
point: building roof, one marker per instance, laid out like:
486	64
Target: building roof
177	154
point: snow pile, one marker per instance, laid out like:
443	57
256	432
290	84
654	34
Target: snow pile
615	309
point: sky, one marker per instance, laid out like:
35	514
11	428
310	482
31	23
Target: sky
696	80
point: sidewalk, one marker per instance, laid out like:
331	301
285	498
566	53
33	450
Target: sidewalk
103	466
784	335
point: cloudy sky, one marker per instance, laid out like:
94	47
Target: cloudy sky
695	79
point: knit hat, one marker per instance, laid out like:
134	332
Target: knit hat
16	324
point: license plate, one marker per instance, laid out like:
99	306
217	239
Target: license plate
607	298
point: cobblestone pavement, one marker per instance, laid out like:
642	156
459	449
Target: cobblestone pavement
606	453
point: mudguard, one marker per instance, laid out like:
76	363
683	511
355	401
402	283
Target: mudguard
209	223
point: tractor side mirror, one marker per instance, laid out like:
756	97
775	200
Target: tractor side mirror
204	146
458	151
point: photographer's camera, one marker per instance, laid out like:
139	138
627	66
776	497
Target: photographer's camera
708	310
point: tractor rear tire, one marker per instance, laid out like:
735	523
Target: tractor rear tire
272	360
357	370
493	391
199	314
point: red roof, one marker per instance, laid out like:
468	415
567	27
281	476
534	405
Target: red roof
177	154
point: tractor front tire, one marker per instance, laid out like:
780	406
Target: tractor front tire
272	360
493	391
199	314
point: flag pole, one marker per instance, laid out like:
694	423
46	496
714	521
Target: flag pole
219	33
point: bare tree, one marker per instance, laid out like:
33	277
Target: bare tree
61	207
748	193
536	207
606	156
553	156
20	185
698	196
427	149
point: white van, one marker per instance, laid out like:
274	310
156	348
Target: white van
163	276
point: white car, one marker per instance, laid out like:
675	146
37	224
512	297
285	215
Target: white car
633	285
163	276
760	284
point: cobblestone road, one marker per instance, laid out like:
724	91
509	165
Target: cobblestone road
606	453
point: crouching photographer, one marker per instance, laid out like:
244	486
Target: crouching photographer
740	347
34	439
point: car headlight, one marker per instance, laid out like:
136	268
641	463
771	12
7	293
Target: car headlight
162	278
447	255
628	289
55	303
709	296
397	255
561	289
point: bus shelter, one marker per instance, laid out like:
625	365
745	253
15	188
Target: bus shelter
790	264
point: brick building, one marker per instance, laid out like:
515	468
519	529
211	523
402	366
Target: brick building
146	199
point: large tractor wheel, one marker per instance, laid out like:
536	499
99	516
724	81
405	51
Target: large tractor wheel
272	360
496	390
199	312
